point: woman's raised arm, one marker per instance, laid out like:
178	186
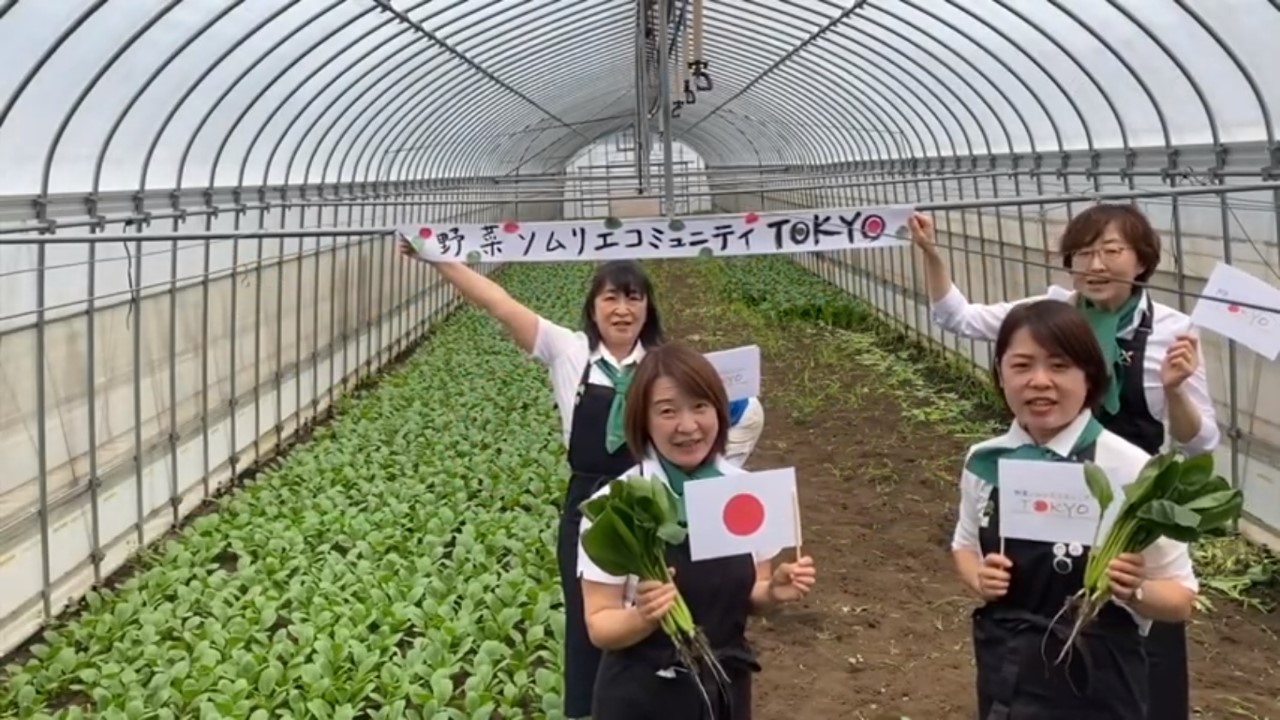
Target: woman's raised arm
948	307
520	321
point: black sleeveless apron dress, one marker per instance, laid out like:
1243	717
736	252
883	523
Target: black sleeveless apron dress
1105	676
591	466
718	593
1166	643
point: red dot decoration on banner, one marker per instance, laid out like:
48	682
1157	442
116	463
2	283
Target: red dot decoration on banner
743	514
1040	506
510	227
751	218
873	227
1233	308
425	233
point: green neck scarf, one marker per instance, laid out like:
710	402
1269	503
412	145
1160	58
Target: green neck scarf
1106	326
676	478
621	379
985	463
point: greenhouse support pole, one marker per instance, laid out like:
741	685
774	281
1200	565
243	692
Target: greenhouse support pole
664	73
641	131
42	440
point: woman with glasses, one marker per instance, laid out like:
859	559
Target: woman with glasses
1157	389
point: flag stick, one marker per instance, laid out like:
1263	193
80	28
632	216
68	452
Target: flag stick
795	511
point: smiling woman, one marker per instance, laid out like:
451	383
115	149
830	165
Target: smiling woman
590	373
677	423
1053	375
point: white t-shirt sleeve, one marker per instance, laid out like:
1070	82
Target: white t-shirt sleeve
553	341
968	515
979	321
1167	559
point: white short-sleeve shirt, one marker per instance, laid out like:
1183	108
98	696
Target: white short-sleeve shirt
1166	559
566	353
954	313
649	467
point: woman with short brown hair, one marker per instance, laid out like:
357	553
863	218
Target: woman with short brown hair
677	423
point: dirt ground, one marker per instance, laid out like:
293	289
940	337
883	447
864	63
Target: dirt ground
885	636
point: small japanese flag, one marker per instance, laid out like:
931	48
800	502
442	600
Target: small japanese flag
742	513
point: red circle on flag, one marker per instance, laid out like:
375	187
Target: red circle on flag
1040	506
1233	308
743	514
425	233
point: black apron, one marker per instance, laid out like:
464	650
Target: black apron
1166	642
1104	677
591	465
718	593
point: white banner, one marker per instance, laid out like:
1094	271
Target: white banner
635	239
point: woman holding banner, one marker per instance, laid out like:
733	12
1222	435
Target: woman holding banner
1052	374
677	424
589	370
1153	361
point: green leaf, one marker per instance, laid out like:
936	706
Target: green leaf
27	696
267	680
672	533
1195	472
1099	486
606	543
320	708
1172	520
1218	509
442	685
1141	488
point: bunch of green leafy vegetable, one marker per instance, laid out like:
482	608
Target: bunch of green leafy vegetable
1174	497
631	527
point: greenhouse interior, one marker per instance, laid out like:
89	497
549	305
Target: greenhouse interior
308	317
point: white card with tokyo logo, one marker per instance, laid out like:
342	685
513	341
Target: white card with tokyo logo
1050	502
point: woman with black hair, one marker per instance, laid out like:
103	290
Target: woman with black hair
1052	374
590	372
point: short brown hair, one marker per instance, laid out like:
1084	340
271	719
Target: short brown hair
692	373
1061	330
1085	228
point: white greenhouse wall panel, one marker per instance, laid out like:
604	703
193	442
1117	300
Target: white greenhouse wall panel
135	506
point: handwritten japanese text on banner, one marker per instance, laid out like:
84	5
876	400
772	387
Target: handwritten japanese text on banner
720	235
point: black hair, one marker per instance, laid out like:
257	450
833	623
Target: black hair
627	277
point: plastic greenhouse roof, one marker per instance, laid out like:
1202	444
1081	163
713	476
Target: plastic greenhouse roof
102	96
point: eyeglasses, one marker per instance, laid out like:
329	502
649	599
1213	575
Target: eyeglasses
1110	254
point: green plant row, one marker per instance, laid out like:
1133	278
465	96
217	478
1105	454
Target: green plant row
399	565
